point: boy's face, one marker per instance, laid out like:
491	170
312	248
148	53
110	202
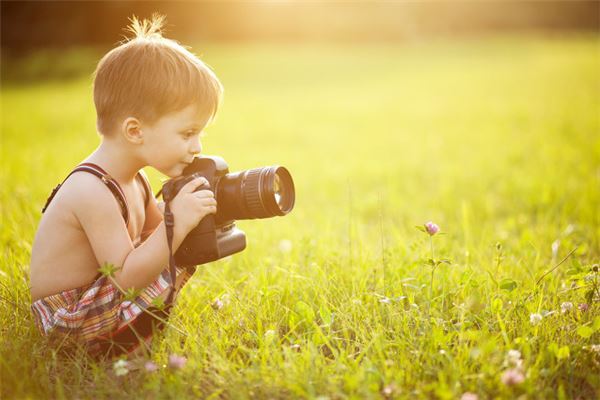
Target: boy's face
172	141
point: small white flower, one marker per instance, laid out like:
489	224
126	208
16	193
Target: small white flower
535	319
285	245
513	355
566	307
513	359
121	367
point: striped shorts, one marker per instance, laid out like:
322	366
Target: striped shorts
98	315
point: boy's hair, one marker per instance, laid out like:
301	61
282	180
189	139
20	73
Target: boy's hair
148	76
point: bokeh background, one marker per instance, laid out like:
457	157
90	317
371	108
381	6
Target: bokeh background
372	105
482	116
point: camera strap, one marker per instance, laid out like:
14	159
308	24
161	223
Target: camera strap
169	224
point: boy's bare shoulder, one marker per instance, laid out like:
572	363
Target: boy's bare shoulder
84	194
99	215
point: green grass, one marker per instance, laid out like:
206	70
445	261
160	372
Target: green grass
497	140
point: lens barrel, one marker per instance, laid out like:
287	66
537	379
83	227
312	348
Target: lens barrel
255	193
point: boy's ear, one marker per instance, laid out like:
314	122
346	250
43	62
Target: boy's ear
132	130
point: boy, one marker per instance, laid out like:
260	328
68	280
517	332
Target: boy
153	98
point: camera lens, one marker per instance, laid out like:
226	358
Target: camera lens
255	193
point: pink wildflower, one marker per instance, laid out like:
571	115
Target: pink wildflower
431	228
583	307
512	377
177	361
469	396
149	366
390	390
217	304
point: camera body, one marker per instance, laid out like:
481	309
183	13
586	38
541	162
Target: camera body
256	193
209	240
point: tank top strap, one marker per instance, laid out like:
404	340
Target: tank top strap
109	181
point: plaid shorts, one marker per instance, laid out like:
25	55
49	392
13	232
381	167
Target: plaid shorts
97	314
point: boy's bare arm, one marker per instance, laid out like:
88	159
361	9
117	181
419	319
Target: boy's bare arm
154	216
100	217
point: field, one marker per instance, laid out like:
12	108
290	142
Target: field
496	140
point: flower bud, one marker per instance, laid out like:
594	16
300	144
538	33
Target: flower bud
431	228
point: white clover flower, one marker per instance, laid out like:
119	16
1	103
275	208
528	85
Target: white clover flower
121	367
513	359
535	319
566	307
513	355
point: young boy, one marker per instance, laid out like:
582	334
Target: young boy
153	98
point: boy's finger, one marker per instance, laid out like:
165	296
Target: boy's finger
201	194
194	184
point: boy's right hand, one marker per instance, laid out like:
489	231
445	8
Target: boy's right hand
189	206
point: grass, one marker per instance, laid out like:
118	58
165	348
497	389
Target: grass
496	140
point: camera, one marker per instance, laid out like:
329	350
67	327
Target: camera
254	193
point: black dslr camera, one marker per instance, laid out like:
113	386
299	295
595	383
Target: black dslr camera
255	193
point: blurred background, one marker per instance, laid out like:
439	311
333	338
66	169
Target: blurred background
403	111
30	25
34	25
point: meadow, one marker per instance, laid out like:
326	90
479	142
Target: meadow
496	140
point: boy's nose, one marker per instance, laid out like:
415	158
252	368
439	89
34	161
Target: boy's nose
196	147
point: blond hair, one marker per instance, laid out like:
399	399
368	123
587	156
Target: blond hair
148	76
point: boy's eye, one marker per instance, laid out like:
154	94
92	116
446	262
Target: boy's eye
189	134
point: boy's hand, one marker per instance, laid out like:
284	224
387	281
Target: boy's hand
190	207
